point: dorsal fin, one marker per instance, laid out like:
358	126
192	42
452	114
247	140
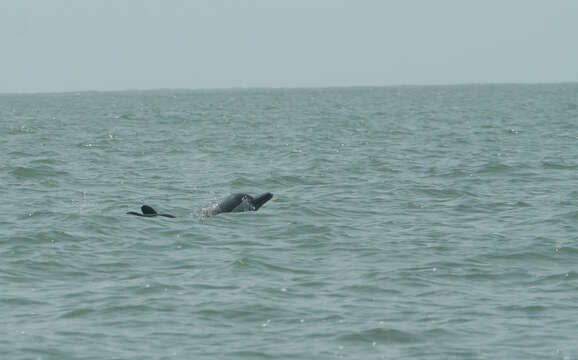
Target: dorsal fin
147	210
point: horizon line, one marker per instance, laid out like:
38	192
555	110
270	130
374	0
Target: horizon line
312	87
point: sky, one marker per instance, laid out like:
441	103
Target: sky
78	45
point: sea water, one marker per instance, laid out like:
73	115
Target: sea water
436	222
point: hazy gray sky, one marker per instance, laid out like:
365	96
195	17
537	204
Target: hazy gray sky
68	45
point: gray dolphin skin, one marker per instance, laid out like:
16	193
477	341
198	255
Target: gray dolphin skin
232	203
239	203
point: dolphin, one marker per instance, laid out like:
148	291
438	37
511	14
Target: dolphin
233	203
148	211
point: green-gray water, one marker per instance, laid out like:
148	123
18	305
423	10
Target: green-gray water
407	223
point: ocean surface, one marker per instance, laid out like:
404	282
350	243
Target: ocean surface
413	222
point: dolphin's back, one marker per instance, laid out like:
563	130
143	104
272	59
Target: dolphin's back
234	203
